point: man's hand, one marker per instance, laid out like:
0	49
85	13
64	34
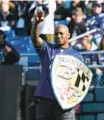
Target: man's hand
7	49
39	16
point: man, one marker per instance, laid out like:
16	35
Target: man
47	108
91	59
77	26
95	21
8	54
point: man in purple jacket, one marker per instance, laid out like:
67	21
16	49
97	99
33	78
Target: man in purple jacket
47	108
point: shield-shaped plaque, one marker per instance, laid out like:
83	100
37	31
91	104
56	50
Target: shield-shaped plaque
71	80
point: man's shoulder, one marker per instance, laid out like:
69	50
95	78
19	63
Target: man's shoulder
101	15
75	49
77	54
52	45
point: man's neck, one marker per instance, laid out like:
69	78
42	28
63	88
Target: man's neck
65	46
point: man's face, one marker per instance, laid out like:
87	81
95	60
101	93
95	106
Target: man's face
97	9
61	35
77	17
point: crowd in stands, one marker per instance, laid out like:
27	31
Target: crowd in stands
79	16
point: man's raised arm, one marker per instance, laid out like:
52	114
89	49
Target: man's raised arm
35	32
